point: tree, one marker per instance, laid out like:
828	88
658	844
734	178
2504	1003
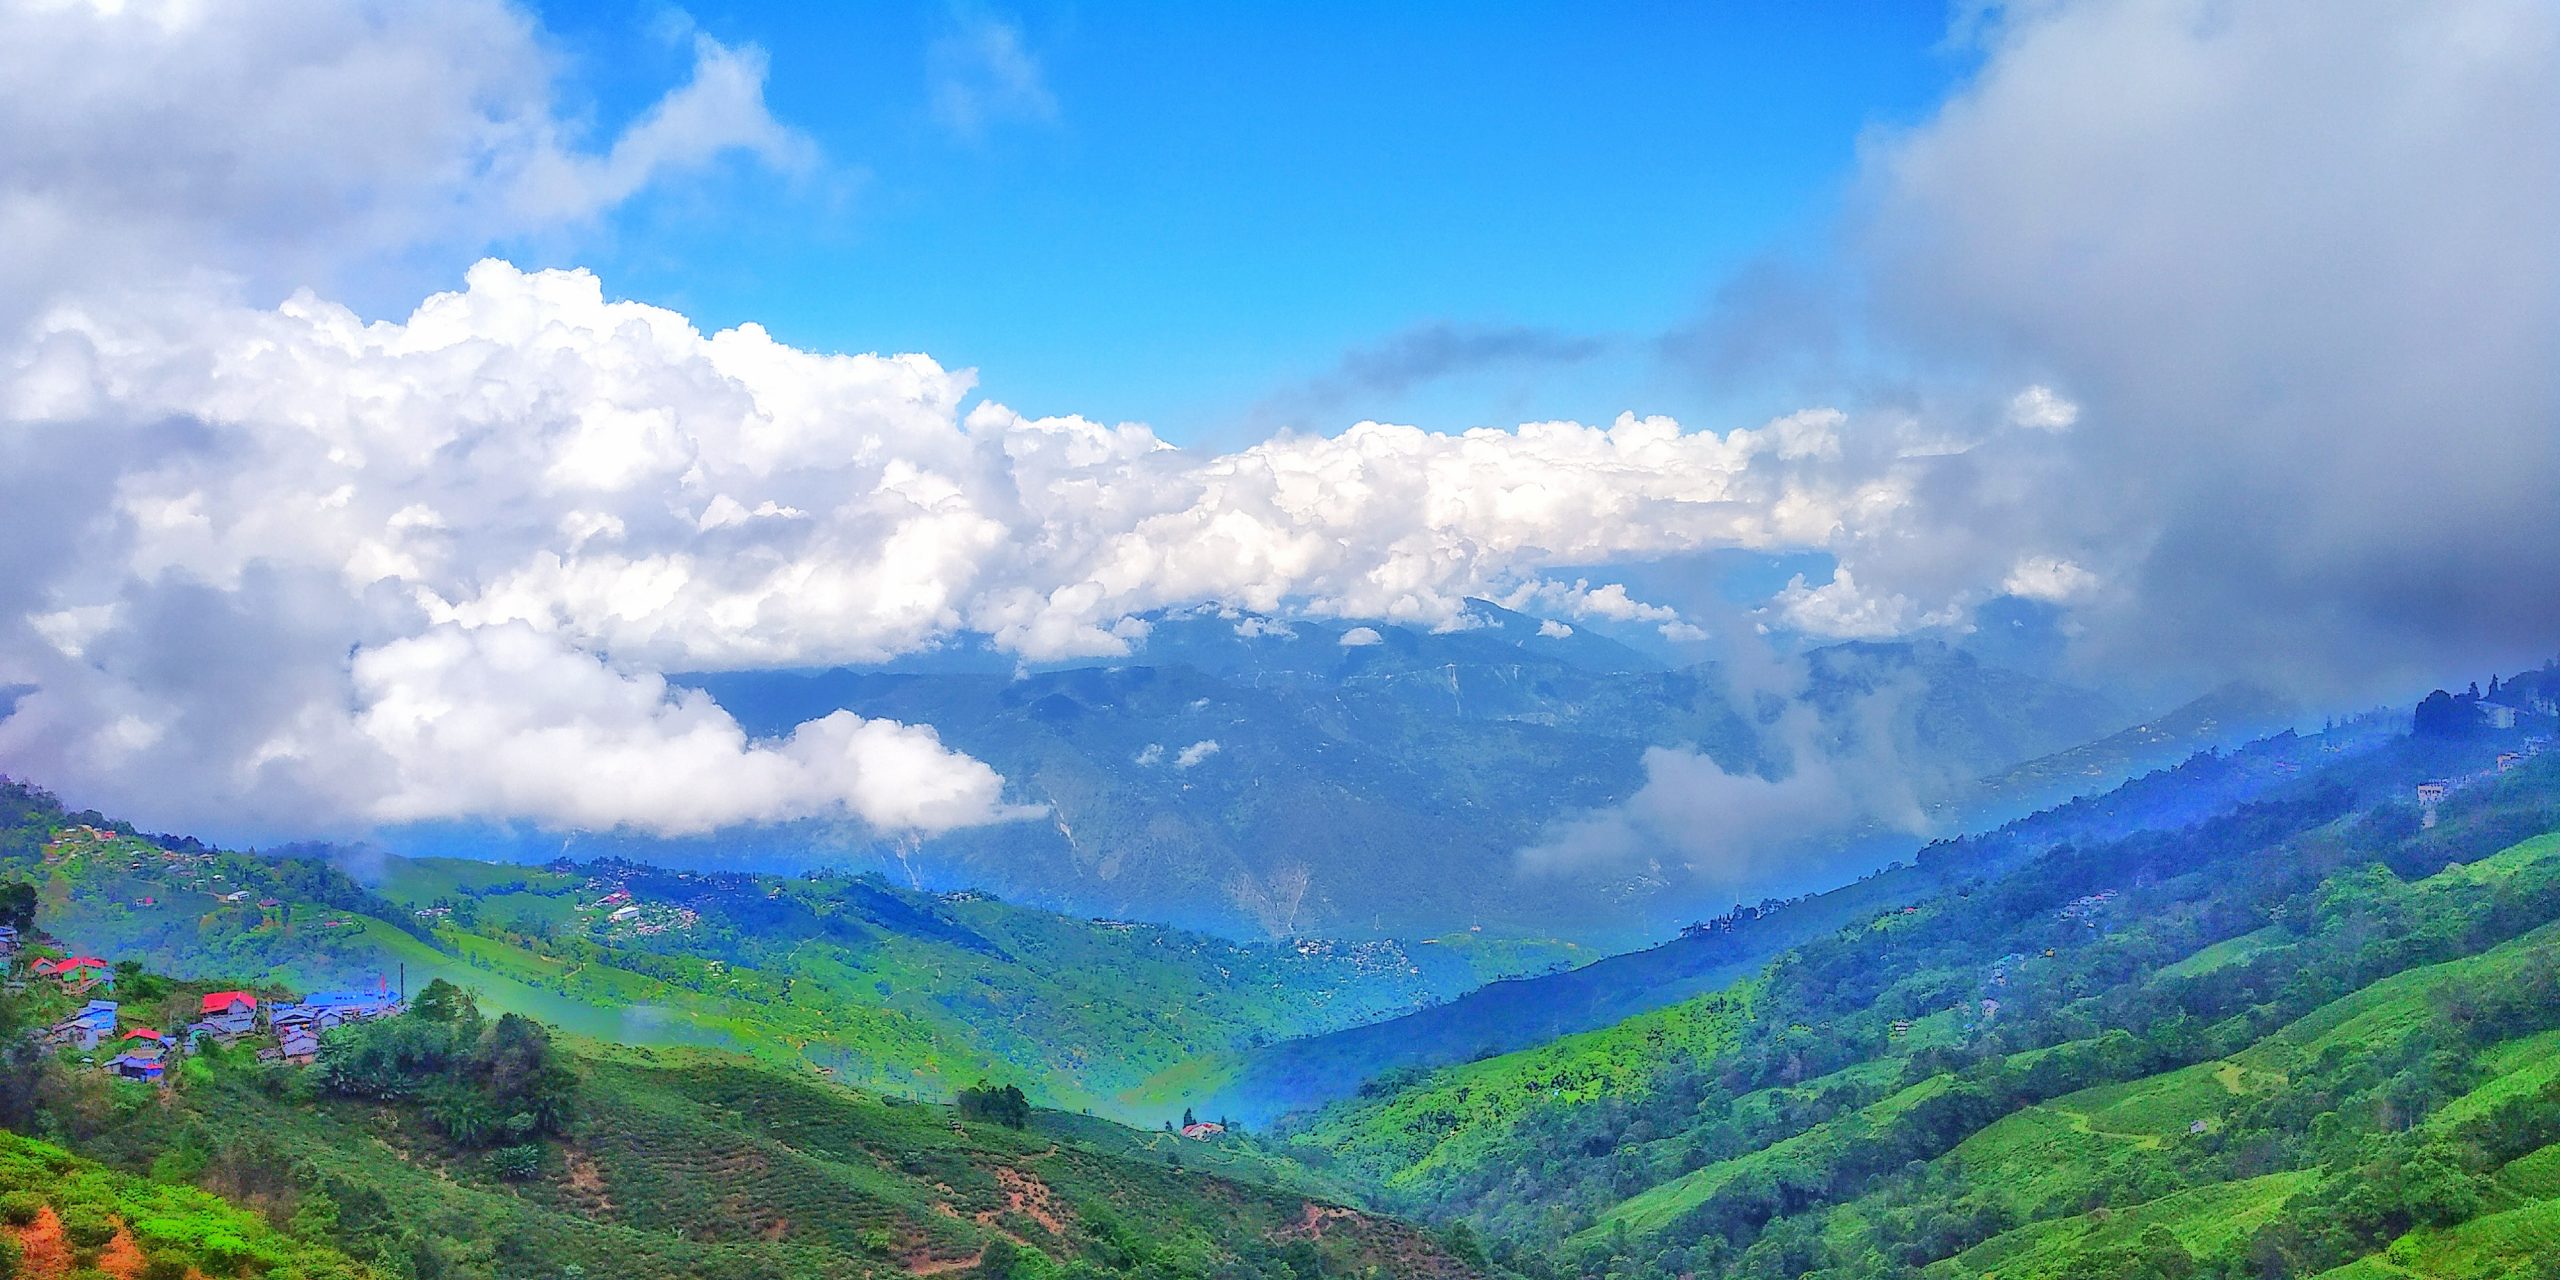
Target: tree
1007	1106
1187	1121
18	906
444	1002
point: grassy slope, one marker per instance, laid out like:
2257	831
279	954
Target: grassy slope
1293	1075
2042	1163
694	1163
905	991
2131	1145
1462	1115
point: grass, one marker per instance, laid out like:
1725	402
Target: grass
1459	1116
1659	1207
2205	1220
2226	953
687	1163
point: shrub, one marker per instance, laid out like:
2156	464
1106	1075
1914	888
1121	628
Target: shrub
87	1226
11	1255
18	1208
225	1253
518	1163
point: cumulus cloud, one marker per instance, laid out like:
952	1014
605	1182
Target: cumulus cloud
2049	578
238	538
148	145
1195	753
1361	637
506	720
1840	609
525	456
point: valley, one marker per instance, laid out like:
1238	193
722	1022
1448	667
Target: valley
2103	1030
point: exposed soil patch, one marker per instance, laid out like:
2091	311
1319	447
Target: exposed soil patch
586	1182
1028	1196
922	1266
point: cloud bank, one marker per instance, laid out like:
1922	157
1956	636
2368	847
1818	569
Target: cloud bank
2292	267
516	506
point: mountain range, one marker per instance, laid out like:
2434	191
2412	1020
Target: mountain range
1274	778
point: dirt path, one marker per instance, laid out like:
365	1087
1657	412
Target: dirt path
937	1266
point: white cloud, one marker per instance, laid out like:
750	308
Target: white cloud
1361	637
2049	578
2038	408
1153	755
2294	267
1195	753
1552	629
505	720
1580	599
983	74
1842	610
158	146
525	453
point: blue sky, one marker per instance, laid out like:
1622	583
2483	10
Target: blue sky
1189	215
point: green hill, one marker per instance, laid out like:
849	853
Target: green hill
2369	758
443	1143
2310	1034
868	982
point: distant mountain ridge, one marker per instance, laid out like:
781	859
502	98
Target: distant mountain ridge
1287	777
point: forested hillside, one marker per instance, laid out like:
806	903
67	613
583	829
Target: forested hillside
443	1143
2311	1034
909	991
2369	756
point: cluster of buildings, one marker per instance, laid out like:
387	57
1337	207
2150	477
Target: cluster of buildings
1740	915
2432	792
2085	909
644	920
144	1053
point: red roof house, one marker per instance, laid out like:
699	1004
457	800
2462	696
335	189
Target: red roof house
229	1002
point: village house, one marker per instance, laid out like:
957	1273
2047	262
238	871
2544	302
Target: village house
9	943
86	1029
145	1067
76	974
143	1055
1203	1130
296	1045
225	1016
